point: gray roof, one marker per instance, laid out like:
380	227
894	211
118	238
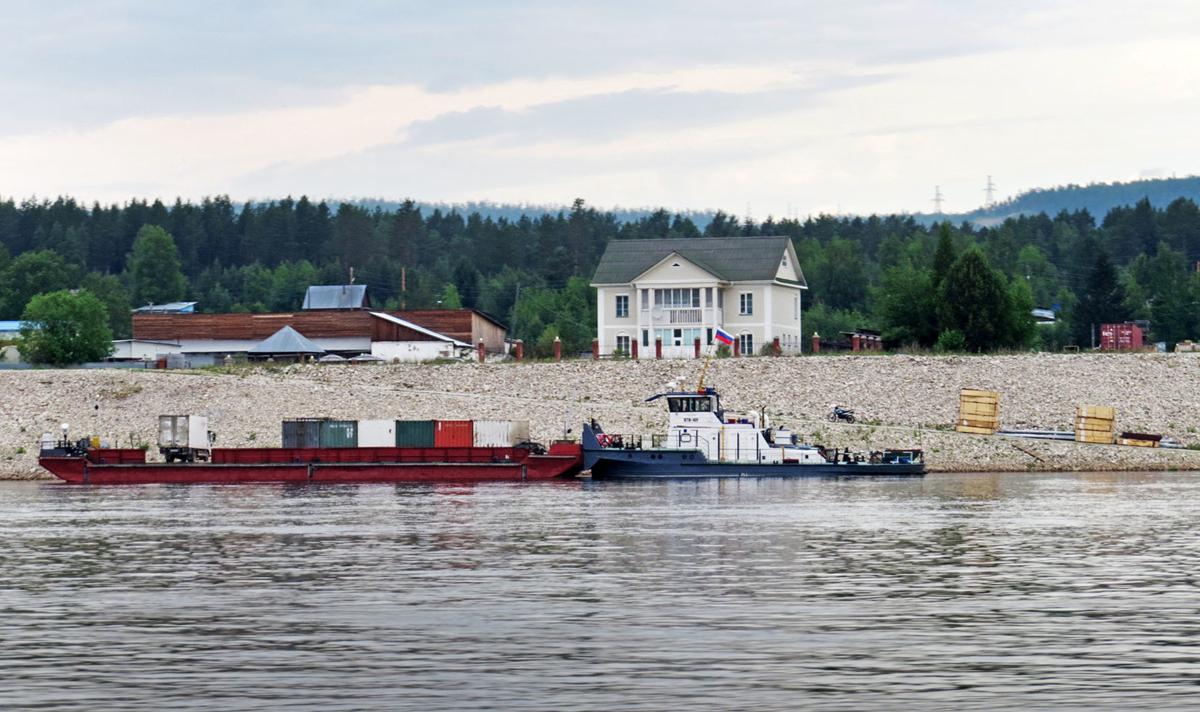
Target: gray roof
168	308
286	341
733	259
337	296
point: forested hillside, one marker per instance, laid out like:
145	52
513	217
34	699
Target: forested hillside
1096	198
953	287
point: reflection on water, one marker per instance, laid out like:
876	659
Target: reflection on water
955	592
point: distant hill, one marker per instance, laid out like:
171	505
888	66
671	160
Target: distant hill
1097	198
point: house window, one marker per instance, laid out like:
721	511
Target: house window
746	303
623	307
796	308
708	296
746	343
623	344
646	337
677	298
645	299
720	299
708	337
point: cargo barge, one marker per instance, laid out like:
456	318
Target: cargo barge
190	458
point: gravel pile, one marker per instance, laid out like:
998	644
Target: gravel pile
901	401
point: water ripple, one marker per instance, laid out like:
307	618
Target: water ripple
956	592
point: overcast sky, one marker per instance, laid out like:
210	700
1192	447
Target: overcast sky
776	107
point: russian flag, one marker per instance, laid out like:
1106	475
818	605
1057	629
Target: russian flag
723	336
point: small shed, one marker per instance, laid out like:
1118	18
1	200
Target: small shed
286	343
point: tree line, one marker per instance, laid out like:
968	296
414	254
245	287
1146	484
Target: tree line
954	287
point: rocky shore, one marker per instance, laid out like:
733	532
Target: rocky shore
901	400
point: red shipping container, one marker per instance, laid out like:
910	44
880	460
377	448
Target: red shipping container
1120	337
453	433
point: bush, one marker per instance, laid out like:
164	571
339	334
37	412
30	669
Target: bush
63	328
951	341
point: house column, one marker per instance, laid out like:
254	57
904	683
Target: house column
600	297
637	330
768	315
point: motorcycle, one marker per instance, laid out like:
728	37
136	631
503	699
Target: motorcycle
840	413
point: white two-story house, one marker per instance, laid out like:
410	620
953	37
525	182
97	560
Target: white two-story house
683	289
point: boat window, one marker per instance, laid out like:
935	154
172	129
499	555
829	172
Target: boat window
689	405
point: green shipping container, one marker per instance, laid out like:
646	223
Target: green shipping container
414	433
339	433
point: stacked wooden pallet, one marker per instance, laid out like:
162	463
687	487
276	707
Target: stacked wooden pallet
1139	439
978	412
1094	424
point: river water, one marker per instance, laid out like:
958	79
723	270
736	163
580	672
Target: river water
979	591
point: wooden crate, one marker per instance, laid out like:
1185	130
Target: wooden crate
966	409
978	411
1091	436
979	423
1103	412
1135	442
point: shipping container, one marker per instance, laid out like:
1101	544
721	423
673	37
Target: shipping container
339	433
414	433
376	433
453	433
302	432
501	433
183	431
1120	337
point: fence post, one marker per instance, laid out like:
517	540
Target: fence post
633	349
557	349
737	348
855	342
816	343
776	348
520	350
595	349
697	347
482	351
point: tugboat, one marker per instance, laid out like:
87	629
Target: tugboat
703	441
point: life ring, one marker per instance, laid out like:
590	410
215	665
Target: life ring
603	439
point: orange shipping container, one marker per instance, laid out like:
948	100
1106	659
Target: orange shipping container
453	433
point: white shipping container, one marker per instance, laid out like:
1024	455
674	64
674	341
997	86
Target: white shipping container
377	433
183	431
501	433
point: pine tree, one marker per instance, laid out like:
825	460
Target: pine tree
154	269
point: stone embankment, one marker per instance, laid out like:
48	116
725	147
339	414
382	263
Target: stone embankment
901	400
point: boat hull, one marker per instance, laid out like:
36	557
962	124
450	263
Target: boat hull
563	459
667	468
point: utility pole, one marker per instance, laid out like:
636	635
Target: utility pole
938	198
990	192
403	287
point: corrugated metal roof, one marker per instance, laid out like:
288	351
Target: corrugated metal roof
418	328
286	341
733	259
337	296
168	308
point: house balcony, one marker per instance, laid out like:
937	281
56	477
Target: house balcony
661	317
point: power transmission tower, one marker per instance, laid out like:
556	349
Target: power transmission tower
938	198
990	192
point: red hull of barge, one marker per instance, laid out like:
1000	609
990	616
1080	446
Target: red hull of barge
321	466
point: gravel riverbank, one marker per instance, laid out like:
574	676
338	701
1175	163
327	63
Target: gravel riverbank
901	400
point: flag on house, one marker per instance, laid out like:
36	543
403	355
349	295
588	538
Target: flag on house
723	336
